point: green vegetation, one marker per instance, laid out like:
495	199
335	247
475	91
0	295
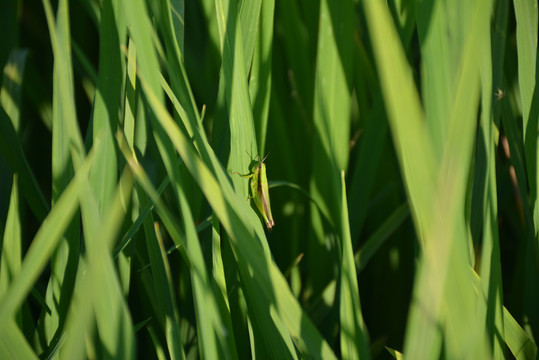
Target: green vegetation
403	174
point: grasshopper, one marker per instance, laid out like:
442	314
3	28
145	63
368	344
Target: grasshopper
259	190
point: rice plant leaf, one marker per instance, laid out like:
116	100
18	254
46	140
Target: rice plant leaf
98	288
12	151
64	129
80	318
171	28
11	255
214	327
409	133
135	226
107	100
260	78
165	298
452	184
44	243
123	252
447	192
130	94
332	96
376	240
526	14
249	20
209	321
491	276
331	132
13	344
64	101
10	97
113	319
527	19
243	147
515	143
238	219
396	354
415	154
300	48
354	337
160	353
141	32
440	27
165	292
177	10
366	166
518	341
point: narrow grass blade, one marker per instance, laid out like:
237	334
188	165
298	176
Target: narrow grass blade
527	19
243	147
11	149
526	14
331	118
491	272
10	261
238	219
64	129
300	48
208	319
249	20
13	344
123	252
366	166
130	94
165	298
354	337
98	288
373	243
107	100
177	10
260	78
113	319
214	329
446	193
80	318
396	355
64	101
518	341
401	98
332	101
165	293
440	29
10	96
220	290
44	243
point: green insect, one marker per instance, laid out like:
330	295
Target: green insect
259	190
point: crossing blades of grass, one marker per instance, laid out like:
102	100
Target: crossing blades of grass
44	243
13	345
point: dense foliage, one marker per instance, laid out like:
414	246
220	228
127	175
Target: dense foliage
402	164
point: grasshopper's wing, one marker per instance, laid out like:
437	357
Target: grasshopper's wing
262	199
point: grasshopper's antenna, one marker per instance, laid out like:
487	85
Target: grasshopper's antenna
265	157
249	155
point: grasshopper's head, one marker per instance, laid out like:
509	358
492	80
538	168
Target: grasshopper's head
257	163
